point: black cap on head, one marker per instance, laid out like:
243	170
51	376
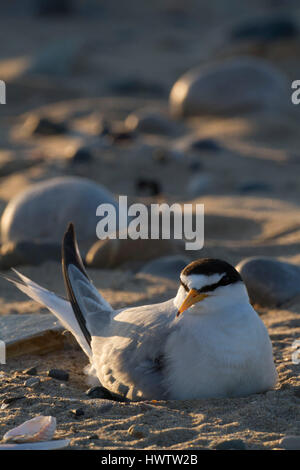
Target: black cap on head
210	266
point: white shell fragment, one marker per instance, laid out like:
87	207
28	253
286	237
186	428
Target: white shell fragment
45	445
40	428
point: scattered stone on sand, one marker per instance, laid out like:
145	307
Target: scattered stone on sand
111	253
31	253
166	266
216	89
290	443
32	382
151	122
77	412
10	400
30	371
231	444
101	392
253	187
137	431
269	282
265	29
82	155
42	126
102	404
58	374
202	145
148	187
30	334
43	210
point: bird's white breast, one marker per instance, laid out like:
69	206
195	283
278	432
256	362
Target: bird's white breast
220	356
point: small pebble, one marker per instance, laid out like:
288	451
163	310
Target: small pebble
81	155
30	371
148	187
58	374
137	431
77	412
44	126
32	382
209	145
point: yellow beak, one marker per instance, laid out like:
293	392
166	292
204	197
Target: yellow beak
192	298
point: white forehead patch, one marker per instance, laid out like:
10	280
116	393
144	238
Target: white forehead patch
197	281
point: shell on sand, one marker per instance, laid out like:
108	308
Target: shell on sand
40	428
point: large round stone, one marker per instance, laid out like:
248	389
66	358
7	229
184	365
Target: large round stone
269	282
43	210
234	85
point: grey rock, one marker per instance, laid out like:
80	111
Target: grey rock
290	442
103	393
30	371
151	122
30	253
43	210
58	374
111	253
41	126
137	431
269	282
231	444
57	59
30	334
230	86
168	266
32	382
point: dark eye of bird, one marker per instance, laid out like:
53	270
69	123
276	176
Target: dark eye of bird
184	286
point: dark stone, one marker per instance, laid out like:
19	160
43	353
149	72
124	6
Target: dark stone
31	371
231	444
78	412
121	136
253	186
210	145
58	374
266	29
103	393
147	187
46	127
9	400
269	282
81	155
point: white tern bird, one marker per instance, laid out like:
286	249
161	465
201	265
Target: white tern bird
208	341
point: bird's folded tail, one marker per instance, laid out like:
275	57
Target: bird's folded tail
91	310
59	306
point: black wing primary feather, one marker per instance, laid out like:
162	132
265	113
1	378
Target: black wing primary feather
71	255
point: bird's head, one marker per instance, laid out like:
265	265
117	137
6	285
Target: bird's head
208	285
